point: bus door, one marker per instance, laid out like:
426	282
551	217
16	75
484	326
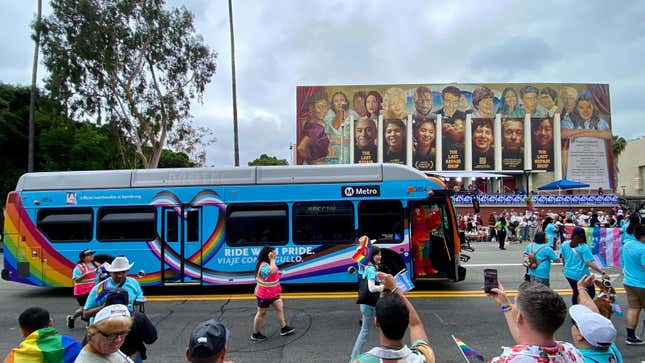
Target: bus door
432	245
181	239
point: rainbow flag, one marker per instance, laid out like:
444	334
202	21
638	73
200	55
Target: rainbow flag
363	251
47	346
466	350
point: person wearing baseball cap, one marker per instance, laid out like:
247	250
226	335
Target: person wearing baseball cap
119	278
84	278
207	343
593	335
106	335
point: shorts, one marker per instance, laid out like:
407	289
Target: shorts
635	297
265	303
81	299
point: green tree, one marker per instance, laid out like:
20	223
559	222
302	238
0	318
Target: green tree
265	159
618	144
133	63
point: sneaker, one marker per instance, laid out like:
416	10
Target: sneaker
70	321
634	341
258	337
287	330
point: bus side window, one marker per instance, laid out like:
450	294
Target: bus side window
323	222
381	219
257	223
66	225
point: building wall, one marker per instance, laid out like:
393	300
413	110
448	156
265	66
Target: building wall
631	166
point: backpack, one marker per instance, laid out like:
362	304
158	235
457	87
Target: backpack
529	260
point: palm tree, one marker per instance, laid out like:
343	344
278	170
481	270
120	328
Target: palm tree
618	144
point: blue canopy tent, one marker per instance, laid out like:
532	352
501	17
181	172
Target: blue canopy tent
563	184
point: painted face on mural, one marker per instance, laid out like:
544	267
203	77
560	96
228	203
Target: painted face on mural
486	106
513	134
530	102
543	134
424	104
511	100
394	137
483	138
372	105
450	104
359	105
546	101
365	131
320	109
585	109
426	134
339	102
397	106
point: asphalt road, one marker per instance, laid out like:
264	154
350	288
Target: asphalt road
325	318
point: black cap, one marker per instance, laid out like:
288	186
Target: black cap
85	253
117	296
207	339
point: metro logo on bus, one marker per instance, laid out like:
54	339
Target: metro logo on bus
361	191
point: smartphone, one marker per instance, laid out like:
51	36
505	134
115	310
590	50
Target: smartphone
490	279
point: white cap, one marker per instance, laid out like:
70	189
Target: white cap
595	328
112	311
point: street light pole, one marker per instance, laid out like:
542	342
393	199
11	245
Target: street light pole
235	134
527	174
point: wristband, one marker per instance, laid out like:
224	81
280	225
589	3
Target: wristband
506	308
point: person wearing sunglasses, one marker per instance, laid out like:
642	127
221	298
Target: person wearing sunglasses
106	335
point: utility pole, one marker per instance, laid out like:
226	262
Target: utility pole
235	135
32	98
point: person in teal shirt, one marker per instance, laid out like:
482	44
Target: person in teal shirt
544	254
628	229
577	260
551	231
633	256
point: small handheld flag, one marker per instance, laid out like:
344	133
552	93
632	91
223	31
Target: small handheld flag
467	351
363	251
615	307
403	281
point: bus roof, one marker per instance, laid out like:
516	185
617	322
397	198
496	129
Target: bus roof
141	178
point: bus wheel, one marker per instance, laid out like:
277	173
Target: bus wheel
391	262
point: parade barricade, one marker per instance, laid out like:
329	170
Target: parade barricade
486	199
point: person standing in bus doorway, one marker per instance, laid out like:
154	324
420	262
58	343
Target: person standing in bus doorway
422	225
267	292
118	270
84	277
369	289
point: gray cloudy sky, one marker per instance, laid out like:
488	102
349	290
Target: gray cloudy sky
284	43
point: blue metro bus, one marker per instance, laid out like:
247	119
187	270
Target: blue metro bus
206	226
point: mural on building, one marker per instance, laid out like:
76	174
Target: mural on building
341	124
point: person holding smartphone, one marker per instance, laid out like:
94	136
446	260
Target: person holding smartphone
367	299
267	292
537	314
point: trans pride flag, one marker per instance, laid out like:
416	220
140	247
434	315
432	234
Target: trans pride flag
467	351
363	251
605	244
403	281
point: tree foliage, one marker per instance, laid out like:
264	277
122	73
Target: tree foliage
265	159
60	143
618	144
132	63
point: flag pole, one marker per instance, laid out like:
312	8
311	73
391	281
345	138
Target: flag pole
458	347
